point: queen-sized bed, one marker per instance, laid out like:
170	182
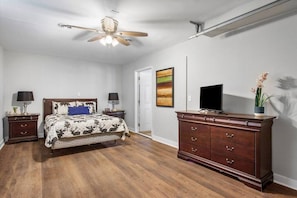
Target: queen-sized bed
70	122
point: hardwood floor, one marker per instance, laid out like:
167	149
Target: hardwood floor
138	167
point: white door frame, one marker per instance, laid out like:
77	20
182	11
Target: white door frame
136	98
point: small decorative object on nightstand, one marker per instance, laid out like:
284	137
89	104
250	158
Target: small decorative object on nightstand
22	127
117	113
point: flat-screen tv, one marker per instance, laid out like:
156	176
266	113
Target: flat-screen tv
211	98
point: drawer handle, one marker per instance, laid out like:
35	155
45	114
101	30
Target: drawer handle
24	125
24	132
194	150
229	149
193	128
229	135
229	161
193	139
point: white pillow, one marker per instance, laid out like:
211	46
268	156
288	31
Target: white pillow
62	107
90	104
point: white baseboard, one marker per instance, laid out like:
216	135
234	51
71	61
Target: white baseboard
160	139
131	129
165	141
285	181
1	144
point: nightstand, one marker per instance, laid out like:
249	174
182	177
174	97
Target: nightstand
117	113
22	127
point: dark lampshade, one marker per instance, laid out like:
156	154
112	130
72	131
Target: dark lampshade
113	96
25	96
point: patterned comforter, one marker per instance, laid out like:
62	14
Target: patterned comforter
65	126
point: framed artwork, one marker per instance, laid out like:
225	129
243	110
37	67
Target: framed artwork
165	87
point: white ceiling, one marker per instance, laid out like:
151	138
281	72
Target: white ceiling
31	25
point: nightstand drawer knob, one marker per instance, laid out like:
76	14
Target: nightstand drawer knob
193	128
24	132
24	125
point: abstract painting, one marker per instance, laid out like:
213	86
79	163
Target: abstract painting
164	87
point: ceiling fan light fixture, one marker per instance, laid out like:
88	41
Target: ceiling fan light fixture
103	41
115	42
108	39
109	36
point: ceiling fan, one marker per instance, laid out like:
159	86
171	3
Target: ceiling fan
109	35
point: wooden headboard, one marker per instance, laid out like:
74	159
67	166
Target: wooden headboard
48	107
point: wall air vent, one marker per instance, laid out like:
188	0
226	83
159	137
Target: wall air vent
264	13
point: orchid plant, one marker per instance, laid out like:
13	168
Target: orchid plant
261	97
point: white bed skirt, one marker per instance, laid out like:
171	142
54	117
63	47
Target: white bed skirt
85	140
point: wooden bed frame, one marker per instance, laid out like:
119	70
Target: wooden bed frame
76	141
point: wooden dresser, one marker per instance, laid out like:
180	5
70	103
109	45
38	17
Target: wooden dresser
236	144
22	127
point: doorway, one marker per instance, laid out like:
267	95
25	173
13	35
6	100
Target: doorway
143	95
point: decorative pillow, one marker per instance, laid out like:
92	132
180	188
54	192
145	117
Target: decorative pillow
78	110
92	105
62	107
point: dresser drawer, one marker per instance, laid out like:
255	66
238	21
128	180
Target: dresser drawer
193	129
199	150
22	118
195	140
235	162
225	148
20	129
227	135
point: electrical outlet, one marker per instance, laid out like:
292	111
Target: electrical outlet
189	98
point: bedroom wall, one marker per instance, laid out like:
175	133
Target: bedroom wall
53	77
236	60
1	97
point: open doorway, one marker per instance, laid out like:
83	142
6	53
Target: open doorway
143	105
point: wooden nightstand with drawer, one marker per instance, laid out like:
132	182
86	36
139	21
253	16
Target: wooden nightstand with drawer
22	127
117	113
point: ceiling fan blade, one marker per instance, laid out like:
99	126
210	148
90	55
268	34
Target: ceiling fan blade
78	27
122	40
96	38
131	33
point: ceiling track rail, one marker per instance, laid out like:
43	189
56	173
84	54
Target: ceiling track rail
261	14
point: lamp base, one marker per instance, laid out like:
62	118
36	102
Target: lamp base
113	109
25	109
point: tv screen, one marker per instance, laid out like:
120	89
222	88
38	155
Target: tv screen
211	97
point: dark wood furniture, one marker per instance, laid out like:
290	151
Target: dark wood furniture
117	113
238	145
22	127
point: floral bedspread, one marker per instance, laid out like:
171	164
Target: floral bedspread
65	126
